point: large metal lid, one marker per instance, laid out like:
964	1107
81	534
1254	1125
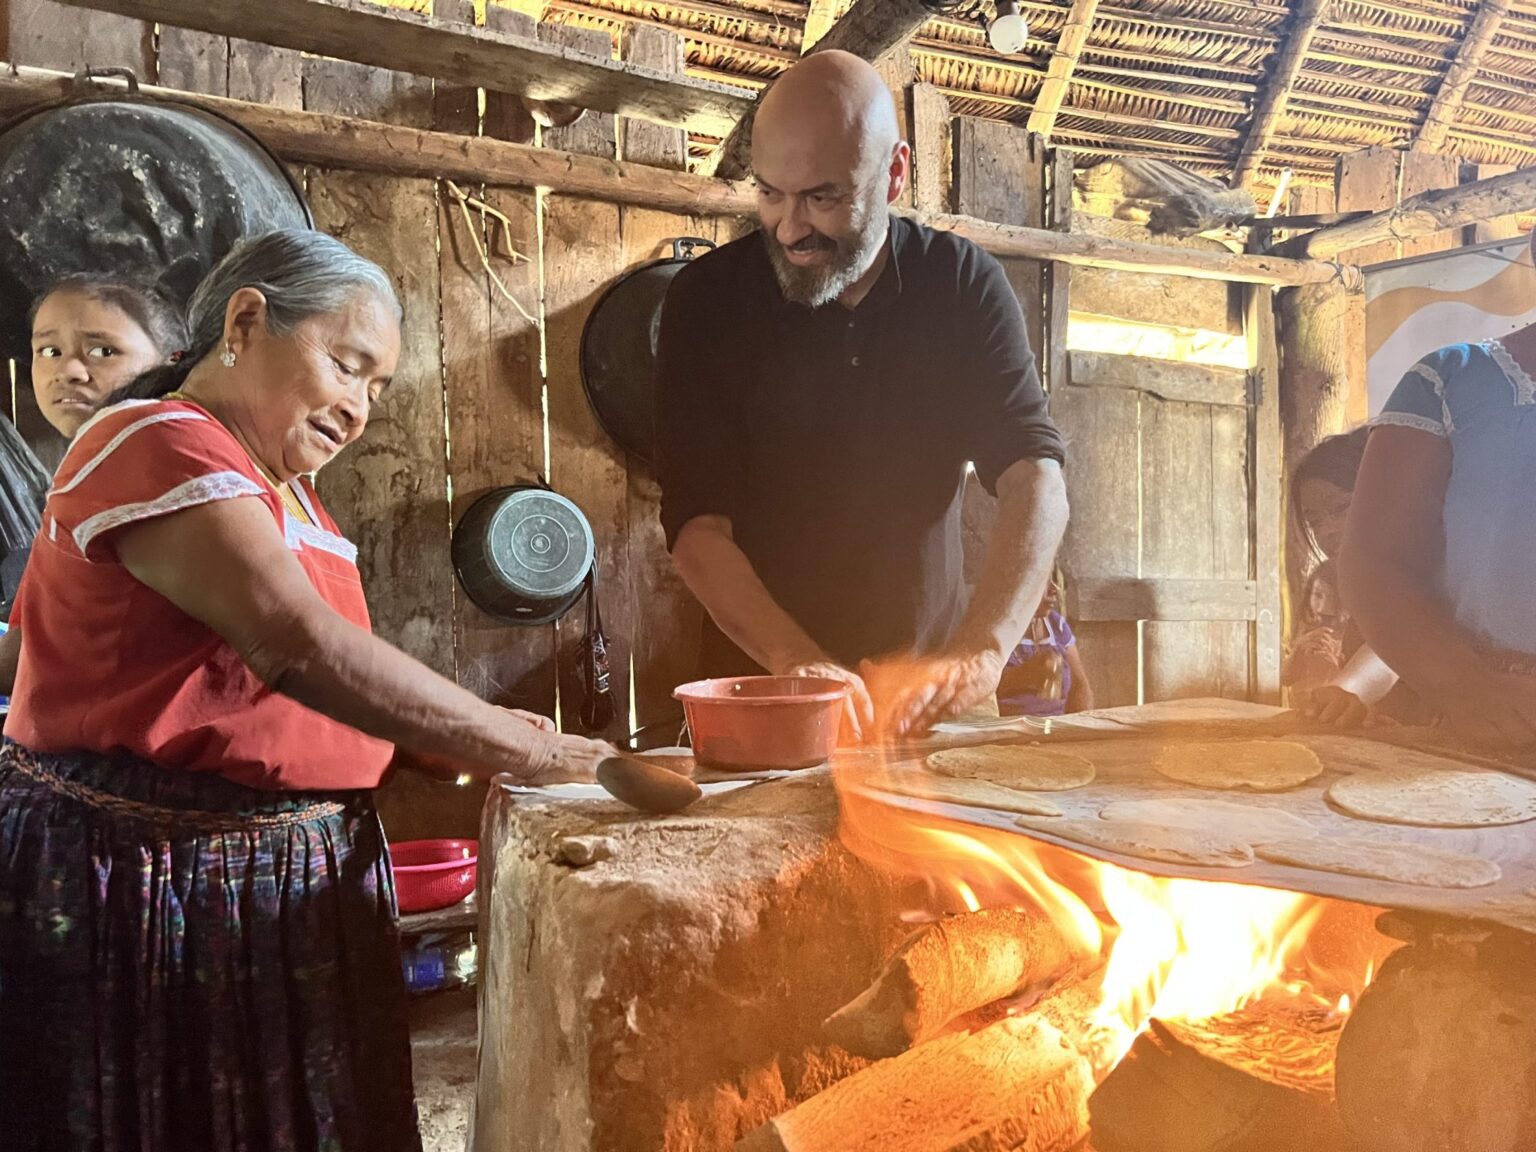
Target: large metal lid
148	189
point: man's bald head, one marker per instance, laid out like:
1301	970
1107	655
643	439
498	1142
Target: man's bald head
828	158
832	104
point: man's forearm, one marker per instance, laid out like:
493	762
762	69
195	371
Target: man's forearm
1031	519
718	572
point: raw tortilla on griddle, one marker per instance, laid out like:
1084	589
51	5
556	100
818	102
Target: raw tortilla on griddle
971	793
1149	841
1244	821
1416	864
1237	765
1434	797
1015	766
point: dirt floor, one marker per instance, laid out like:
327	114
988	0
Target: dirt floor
443	1050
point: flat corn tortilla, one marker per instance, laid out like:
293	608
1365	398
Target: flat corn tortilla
1239	765
1243	821
971	793
1436	797
1149	841
1416	864
1015	766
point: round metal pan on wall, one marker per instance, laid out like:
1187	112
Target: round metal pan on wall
522	553
112	183
618	349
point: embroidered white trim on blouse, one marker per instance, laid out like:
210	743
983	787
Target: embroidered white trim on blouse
1411	420
189	494
299	535
117	442
1437	382
103	413
1519	379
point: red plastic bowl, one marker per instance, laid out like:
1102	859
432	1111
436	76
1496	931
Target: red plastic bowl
763	721
433	874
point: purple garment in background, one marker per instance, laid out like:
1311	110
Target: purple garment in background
1059	639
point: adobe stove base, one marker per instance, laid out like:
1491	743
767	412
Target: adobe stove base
660	984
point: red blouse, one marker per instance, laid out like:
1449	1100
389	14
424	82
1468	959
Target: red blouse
108	664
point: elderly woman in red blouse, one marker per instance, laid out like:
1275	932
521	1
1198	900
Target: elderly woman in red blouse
196	938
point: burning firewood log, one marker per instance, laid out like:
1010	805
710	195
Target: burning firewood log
1440	1053
1020	1084
947	970
1259	1080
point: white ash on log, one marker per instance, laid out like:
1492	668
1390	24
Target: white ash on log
1440	1053
1259	1080
1018	1085
946	970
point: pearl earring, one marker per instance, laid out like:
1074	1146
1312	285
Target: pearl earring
227	357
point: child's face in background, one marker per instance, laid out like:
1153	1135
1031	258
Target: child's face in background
1324	508
82	351
1324	602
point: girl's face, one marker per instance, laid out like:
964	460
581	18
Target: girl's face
1325	600
1324	507
82	352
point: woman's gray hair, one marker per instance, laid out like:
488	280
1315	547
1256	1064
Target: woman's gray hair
301	272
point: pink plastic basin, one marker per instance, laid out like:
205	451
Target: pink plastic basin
433	874
763	721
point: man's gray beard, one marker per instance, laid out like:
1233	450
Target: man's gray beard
852	257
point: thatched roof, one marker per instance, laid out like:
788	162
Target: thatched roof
1176	79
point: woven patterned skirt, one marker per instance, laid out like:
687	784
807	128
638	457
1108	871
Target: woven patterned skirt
188	965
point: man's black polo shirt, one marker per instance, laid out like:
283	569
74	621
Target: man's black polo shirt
836	441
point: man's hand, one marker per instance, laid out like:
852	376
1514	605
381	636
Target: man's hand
858	713
1333	705
911	695
542	723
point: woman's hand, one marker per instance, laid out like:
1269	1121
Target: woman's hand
573	760
1333	705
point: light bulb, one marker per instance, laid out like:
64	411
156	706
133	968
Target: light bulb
1008	32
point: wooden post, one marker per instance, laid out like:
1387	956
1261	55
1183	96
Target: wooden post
1314	390
1266	472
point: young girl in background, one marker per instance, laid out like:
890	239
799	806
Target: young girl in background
91	337
1045	674
1333	675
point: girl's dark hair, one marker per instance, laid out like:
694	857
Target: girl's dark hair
302	273
1336	460
160	319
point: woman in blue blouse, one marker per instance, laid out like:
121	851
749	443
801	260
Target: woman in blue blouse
1439	566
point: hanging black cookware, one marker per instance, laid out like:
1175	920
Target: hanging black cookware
523	553
618	348
114	183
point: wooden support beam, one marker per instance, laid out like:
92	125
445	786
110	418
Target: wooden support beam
1074	35
1271	106
366	33
366	145
820	17
871	29
1084	250
1463	70
1165	379
1092	599
347	142
1424	215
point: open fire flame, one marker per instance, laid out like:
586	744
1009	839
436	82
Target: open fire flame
1171	949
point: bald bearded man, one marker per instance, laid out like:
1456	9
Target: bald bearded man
822	386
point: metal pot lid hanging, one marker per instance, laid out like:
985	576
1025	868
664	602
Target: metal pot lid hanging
523	553
618	348
110	182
